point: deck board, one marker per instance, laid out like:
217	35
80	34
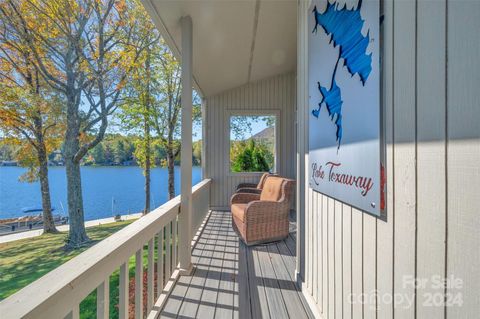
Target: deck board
197	282
207	306
231	280
276	304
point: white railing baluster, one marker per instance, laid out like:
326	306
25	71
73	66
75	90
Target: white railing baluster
168	254
139	284
103	299
174	243
160	263
75	313
150	279
123	292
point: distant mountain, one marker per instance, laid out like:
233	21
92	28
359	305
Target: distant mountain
266	134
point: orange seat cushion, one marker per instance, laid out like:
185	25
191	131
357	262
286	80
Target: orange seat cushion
238	211
272	189
262	180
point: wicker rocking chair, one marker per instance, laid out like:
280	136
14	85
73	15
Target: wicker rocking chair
261	218
251	187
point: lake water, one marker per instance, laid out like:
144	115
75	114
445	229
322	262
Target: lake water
124	186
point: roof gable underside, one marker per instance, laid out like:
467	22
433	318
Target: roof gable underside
234	42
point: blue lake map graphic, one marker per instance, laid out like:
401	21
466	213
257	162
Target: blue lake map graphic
344	26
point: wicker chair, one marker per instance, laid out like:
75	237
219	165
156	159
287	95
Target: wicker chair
261	218
251	187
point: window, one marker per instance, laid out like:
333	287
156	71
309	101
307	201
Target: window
253	143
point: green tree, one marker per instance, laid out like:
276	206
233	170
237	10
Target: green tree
249	157
197	153
98	154
129	149
167	110
119	151
137	110
109	154
7	151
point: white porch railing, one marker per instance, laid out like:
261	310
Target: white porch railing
59	293
200	204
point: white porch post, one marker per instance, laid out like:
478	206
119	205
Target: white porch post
185	217
302	133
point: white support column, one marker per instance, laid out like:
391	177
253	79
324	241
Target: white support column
302	132
204	142
185	217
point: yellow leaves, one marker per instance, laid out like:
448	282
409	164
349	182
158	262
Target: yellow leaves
120	6
8	119
53	144
23	116
142	148
121	84
84	138
12	142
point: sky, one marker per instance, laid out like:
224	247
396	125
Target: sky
255	125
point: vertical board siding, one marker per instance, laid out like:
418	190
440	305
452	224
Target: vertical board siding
463	155
404	135
272	94
347	261
431	184
431	106
357	264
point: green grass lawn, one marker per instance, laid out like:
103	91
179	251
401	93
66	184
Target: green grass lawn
24	261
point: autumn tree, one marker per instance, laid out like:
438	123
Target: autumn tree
167	112
136	116
154	105
30	122
140	96
83	49
29	111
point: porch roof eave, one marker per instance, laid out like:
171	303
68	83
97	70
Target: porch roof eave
234	42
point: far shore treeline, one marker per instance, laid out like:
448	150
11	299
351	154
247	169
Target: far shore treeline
114	150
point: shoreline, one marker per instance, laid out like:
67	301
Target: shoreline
90	223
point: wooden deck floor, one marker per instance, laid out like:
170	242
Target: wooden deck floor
231	280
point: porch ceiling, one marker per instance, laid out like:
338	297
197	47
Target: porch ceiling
234	41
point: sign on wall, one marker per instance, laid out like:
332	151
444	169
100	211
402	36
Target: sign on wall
344	102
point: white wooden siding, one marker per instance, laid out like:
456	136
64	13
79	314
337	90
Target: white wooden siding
274	94
432	158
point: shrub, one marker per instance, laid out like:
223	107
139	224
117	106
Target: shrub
251	157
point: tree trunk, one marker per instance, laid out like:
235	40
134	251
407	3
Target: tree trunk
147	187
48	223
171	172
147	168
146	126
77	235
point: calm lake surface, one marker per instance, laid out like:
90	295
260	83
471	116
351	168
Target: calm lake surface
124	186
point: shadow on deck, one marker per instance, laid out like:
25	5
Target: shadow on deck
231	280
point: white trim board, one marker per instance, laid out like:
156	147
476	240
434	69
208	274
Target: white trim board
252	112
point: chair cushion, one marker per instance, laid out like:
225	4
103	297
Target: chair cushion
262	180
272	189
238	211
